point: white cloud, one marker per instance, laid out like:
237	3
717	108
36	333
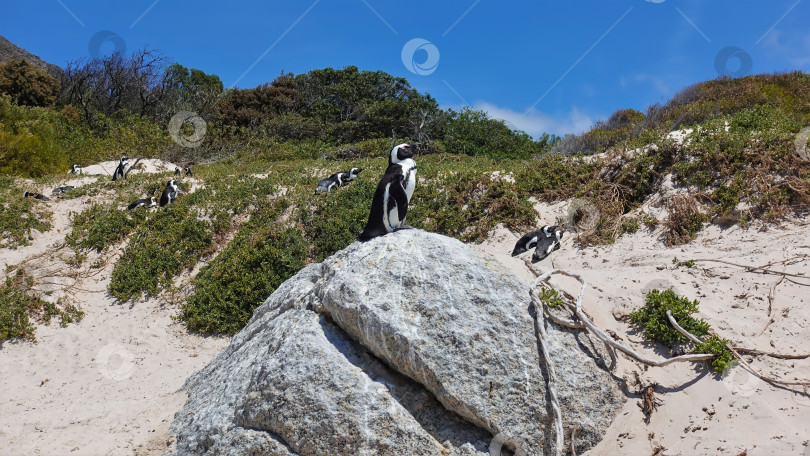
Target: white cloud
535	123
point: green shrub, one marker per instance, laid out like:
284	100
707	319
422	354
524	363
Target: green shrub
101	226
19	216
158	250
262	255
18	304
652	318
723	357
551	298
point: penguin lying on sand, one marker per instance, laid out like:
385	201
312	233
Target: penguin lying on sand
169	193
60	190
336	180
119	170
544	241
75	169
390	204
145	202
38	196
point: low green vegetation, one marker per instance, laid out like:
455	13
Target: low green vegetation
652	320
551	298
19	216
19	305
263	254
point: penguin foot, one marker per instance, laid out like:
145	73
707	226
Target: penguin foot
403	227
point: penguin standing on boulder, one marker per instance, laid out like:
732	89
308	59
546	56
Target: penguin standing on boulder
544	241
169	193
119	170
390	204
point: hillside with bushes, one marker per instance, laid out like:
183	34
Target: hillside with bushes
249	215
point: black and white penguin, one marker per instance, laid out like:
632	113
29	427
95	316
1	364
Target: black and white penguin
176	171
326	185
75	169
60	190
390	204
188	171
337	180
38	196
119	170
544	241
351	174
145	202
169	193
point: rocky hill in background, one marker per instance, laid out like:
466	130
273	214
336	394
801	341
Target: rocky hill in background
10	51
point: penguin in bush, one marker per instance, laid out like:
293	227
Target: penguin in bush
390	204
169	193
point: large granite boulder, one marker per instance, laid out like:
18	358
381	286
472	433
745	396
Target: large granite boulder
410	344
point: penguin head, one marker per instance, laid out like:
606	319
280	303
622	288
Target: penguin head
354	172
401	152
25	194
124	160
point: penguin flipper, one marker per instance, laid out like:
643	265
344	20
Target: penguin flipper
397	193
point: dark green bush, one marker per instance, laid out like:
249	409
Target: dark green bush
262	255
18	304
101	226
652	318
723	357
158	250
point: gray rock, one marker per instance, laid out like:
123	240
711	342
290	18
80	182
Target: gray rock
408	344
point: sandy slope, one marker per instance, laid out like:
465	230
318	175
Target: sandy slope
107	385
700	413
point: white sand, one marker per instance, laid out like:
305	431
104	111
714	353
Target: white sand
106	385
146	165
741	412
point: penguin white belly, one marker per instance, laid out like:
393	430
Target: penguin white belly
409	171
386	212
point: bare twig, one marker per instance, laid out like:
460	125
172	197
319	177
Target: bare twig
753	268
770	305
607	340
751	351
678	328
573	439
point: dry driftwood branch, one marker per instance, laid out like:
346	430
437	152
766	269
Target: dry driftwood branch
754	268
752	351
540	330
573	439
743	363
607	340
126	171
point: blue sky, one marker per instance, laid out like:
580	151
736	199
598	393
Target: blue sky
543	66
